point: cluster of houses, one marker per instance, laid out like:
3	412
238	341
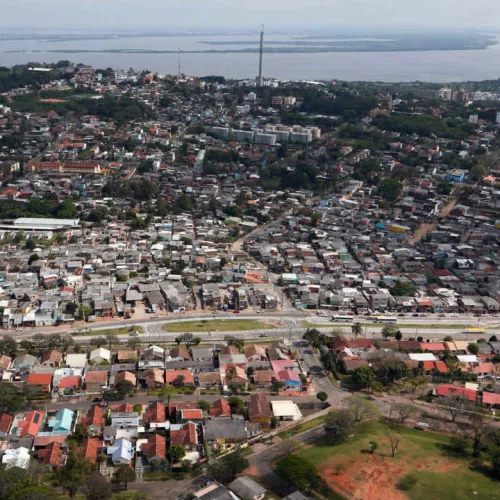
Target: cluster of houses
137	435
255	367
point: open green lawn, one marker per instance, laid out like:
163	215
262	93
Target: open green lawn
226	325
355	473
125	330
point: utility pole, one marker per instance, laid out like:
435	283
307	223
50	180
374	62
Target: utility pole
178	64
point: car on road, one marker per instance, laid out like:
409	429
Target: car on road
401	315
442	315
236	311
154	316
96	400
263	335
127	316
19	329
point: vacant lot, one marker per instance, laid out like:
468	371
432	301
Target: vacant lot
126	330
228	325
353	472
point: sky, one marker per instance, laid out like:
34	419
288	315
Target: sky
81	15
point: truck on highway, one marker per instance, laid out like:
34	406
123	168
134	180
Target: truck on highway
474	330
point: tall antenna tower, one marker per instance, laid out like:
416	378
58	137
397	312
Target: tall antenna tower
178	64
260	80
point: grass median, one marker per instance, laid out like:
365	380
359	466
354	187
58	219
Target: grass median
227	325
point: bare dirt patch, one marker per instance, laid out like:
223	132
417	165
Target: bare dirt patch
374	477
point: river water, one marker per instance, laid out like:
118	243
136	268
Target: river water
436	66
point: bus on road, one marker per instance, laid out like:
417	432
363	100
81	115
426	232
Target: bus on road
343	319
385	319
474	330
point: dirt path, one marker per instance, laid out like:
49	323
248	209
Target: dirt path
426	228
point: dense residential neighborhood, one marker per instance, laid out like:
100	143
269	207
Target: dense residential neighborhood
194	270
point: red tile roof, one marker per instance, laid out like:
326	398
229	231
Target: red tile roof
51	454
41	441
44	379
220	408
5	421
90	449
456	390
155	413
53	355
490	398
95	416
432	346
191	414
96	377
30	426
123	408
186	436
70	382
5	362
171	376
180	405
155	447
258	405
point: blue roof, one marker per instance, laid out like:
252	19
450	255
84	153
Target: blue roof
63	420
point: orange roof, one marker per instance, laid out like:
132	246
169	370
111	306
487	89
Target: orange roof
127	376
191	414
51	454
70	382
155	447
221	408
52	356
5	421
96	377
172	375
40	379
123	408
185	436
90	449
95	416
181	405
155	413
491	398
32	423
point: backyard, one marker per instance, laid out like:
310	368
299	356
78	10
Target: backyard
225	325
351	470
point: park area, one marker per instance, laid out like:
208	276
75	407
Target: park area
423	467
225	325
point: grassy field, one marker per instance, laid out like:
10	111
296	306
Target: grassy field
352	471
227	325
302	427
125	330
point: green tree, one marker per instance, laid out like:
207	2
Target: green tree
322	396
175	454
363	377
84	312
473	348
124	475
96	487
360	408
71	477
204	405
404	411
338	426
80	433
390	189
112	339
477	172
237	405
297	471
98	342
11	398
8	347
401	289
356	329
388	331
399	335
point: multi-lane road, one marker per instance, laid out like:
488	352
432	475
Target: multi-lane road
289	324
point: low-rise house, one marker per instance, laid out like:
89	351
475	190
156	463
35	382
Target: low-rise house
70	385
51	359
121	420
222	433
121	452
5	423
100	355
201	354
286	410
247	488
94	420
42	381
5	362
185	435
155	414
51	455
259	411
220	408
208	379
95	382
179	377
62	421
126	376
457	390
74	360
25	362
154	378
179	354
16	457
153	353
255	353
90	449
263	378
126	356
155	448
31	424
